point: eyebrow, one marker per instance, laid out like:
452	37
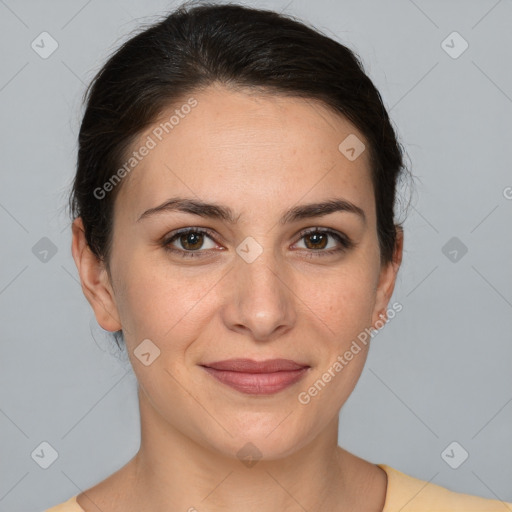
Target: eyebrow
221	212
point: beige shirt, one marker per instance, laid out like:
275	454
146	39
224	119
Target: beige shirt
404	494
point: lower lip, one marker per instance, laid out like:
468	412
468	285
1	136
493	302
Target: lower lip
258	383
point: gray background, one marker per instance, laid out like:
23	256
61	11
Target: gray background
438	372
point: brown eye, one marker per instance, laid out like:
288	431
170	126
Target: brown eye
189	242
317	240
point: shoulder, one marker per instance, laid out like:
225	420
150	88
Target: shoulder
70	505
406	493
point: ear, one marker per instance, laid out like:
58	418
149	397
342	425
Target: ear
94	279
387	280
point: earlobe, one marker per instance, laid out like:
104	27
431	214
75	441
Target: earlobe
94	280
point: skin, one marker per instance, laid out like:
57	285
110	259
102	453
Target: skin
260	155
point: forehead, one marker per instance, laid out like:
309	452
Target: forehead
247	149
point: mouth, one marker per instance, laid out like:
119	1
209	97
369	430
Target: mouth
257	377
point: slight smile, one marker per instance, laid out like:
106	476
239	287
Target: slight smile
257	378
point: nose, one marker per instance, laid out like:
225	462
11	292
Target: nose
260	302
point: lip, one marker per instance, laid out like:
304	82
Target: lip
252	366
257	377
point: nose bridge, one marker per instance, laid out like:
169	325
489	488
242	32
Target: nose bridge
259	272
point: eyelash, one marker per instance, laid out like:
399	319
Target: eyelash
345	242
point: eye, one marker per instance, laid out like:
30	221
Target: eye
316	240
191	241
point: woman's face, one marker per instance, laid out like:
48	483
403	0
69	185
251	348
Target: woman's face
253	287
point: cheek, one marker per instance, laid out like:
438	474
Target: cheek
343	301
158	300
345	306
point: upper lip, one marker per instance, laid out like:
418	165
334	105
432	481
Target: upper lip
251	366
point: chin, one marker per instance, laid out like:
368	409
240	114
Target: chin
268	439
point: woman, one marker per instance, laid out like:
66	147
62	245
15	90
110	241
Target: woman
234	226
